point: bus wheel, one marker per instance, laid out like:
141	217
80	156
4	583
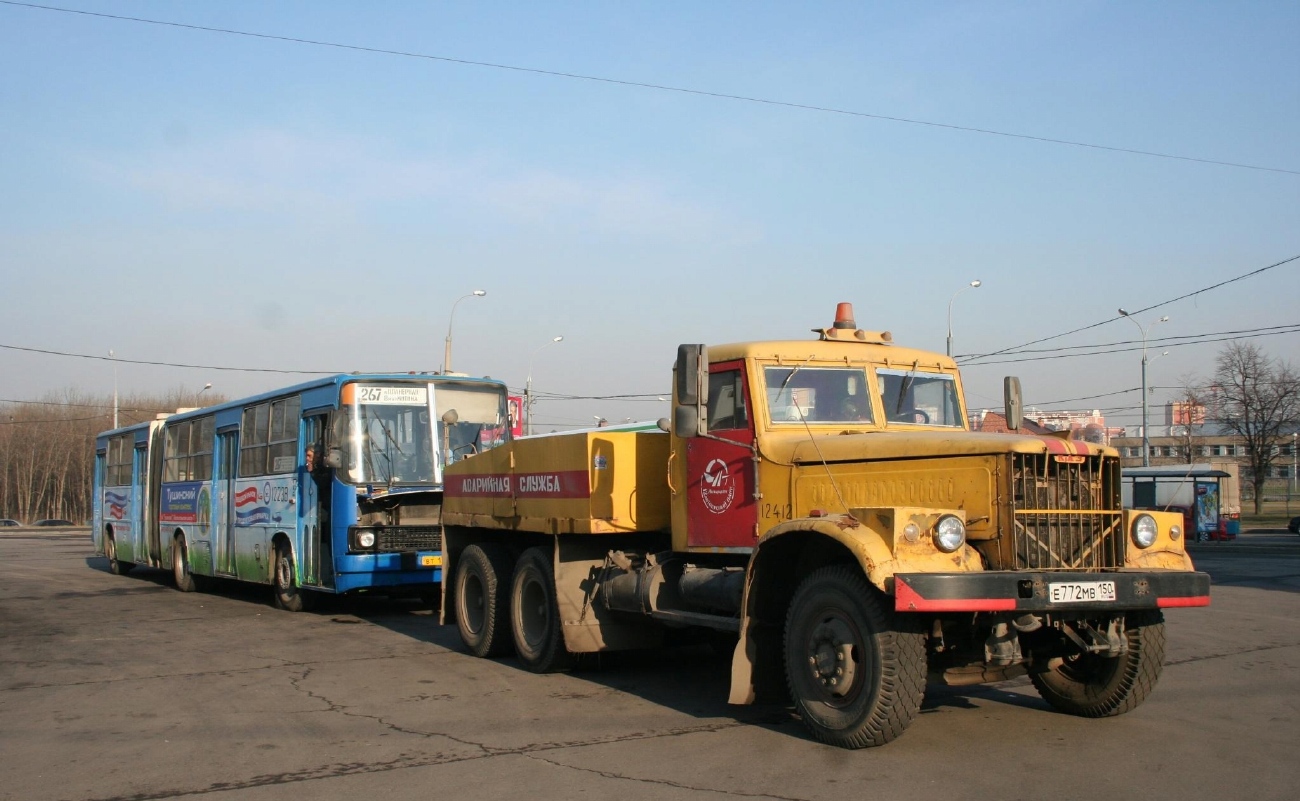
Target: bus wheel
483	599
856	671
534	615
115	565
181	566
288	595
1094	686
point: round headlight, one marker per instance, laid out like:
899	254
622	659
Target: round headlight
949	533
1144	531
366	539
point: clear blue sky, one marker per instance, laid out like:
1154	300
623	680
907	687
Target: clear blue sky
188	196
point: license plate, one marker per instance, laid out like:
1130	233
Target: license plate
430	561
1074	592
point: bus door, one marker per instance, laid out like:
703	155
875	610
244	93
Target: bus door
313	492
223	480
139	485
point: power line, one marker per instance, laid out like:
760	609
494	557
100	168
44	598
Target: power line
967	357
1152	343
120	360
653	86
1137	348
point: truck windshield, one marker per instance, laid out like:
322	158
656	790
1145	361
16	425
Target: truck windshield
817	395
915	398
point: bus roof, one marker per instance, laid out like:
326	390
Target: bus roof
331	383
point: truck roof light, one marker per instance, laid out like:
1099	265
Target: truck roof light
844	317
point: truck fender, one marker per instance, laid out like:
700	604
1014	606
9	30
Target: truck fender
780	549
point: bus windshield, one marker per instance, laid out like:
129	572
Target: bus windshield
393	435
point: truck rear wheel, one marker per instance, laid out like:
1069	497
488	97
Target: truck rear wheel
483	599
856	671
1093	686
535	616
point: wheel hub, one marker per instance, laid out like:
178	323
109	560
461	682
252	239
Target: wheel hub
830	657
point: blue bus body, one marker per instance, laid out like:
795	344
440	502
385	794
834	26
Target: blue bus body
334	485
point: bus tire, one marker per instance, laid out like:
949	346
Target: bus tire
181	565
856	670
115	565
1093	686
286	592
483	599
534	615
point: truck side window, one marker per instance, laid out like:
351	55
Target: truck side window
727	401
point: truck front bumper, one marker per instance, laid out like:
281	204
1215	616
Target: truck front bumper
1015	591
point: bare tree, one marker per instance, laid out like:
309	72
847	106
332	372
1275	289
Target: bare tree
1259	399
1189	413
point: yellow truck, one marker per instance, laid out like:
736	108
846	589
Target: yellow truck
824	506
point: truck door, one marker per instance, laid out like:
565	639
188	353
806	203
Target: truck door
720	508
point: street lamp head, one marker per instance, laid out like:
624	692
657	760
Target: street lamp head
558	339
976	283
1163	320
478	293
1123	313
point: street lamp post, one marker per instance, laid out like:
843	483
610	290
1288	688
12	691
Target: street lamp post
446	353
528	388
114	360
972	285
206	387
1146	440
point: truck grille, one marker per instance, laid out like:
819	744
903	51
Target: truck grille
395	539
1066	513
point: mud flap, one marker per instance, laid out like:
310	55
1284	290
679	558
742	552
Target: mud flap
587	625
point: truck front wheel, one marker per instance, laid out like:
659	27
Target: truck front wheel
856	671
483	599
535	616
1093	686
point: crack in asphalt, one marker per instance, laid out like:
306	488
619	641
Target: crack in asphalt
664	782
1241	652
226	672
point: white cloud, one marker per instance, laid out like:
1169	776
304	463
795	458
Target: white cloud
323	179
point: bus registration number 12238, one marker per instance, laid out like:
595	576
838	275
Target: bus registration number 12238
1073	592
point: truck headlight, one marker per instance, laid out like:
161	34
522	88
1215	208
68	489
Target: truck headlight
949	533
1144	531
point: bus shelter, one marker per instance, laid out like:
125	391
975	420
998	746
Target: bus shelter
1195	490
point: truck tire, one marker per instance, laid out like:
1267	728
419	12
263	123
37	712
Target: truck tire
483	600
534	615
181	566
855	669
1094	686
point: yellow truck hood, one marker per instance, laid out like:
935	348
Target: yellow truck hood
802	448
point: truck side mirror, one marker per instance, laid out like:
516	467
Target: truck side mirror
1013	405
690	415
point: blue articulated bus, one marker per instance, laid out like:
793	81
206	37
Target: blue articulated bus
331	486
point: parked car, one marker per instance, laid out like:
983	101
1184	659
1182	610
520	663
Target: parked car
1294	525
53	522
8	523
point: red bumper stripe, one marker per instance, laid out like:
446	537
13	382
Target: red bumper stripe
1197	600
907	599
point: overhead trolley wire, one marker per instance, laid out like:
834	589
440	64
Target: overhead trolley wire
966	358
654	86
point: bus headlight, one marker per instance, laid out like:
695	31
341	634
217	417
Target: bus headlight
949	533
361	539
1144	531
